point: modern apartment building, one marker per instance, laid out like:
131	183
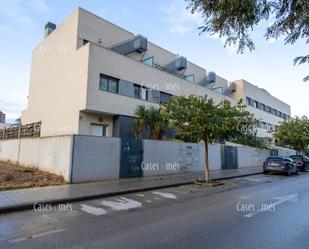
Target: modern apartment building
2	117
89	75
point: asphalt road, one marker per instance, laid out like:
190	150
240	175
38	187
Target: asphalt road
252	212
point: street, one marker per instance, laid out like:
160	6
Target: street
261	211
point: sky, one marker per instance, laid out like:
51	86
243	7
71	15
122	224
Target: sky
166	23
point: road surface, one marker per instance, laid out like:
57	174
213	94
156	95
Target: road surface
252	212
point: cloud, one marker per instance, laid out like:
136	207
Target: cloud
20	11
179	19
12	104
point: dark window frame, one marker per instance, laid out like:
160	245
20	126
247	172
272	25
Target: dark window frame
108	78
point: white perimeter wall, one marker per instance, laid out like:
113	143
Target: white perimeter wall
251	157
52	154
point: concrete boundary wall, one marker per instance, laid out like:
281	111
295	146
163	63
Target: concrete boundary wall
167	157
214	151
52	154
81	158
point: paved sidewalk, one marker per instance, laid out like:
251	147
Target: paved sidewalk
21	199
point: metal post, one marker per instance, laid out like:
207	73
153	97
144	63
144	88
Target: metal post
18	135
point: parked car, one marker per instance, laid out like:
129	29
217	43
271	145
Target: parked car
280	164
302	162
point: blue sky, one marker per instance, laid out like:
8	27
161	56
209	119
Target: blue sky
166	23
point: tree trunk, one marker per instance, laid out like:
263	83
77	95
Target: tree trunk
207	174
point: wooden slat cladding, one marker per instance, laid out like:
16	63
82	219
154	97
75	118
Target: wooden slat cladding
20	131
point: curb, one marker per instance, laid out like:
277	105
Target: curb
28	206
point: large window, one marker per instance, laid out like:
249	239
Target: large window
108	83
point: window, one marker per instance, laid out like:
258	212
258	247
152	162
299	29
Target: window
104	83
268	109
274	112
165	97
126	88
279	114
256	104
190	77
137	91
249	101
144	93
218	89
85	42
108	84
154	95
262	107
149	61
98	130
113	85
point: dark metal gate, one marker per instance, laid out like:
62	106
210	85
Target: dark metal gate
229	157
131	158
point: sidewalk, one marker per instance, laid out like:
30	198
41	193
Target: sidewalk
22	199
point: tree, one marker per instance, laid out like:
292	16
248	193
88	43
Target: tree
293	132
250	139
234	19
139	123
198	118
151	120
18	120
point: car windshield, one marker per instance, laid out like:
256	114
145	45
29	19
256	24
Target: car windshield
296	158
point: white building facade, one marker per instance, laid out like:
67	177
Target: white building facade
89	75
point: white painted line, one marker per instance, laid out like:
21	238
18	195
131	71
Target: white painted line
256	179
34	236
92	210
149	201
122	204
165	195
141	195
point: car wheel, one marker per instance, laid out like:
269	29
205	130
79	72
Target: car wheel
265	173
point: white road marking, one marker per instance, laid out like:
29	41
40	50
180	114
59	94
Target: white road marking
281	199
140	195
122	204
36	235
165	195
149	201
256	179
92	210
